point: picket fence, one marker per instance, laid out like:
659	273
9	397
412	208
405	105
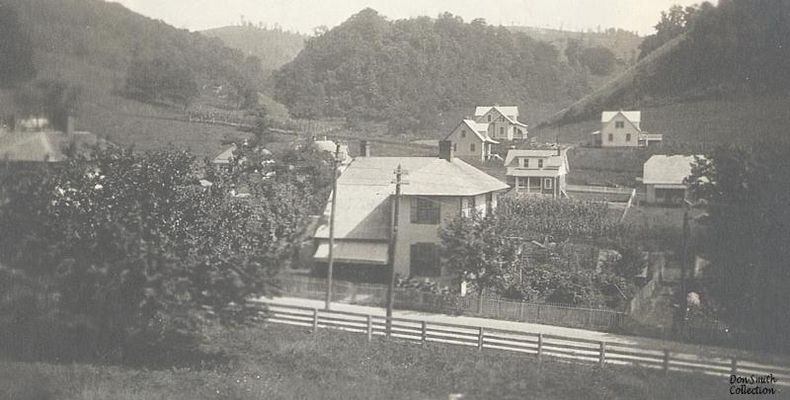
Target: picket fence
418	300
540	345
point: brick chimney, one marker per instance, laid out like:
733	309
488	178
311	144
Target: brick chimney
364	148
446	150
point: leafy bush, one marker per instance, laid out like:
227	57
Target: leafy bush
136	247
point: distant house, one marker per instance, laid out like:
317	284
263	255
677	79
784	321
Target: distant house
623	129
502	122
33	141
437	190
225	155
470	140
539	172
664	179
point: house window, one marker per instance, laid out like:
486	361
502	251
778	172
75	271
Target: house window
425	211
455	146
489	117
489	203
627	137
501	131
611	137
619	124
424	260
472	147
540	163
525	162
547	183
463	133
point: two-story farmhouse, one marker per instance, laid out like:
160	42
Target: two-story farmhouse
539	172
664	178
470	139
502	122
623	129
436	190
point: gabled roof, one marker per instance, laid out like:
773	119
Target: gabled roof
479	129
552	159
363	191
667	170
633	116
506	111
225	155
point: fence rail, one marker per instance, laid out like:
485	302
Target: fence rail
599	189
413	299
537	344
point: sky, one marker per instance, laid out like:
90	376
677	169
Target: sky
305	15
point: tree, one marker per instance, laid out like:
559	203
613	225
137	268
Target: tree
746	190
600	60
161	79
132	244
16	49
478	254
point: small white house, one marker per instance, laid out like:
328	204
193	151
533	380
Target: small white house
623	129
470	140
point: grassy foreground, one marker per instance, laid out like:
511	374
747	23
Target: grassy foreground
279	362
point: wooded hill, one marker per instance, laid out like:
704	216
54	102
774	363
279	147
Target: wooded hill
410	72
736	50
103	50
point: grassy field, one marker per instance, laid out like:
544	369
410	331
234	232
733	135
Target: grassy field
277	362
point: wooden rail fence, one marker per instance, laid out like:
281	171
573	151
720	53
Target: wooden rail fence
537	344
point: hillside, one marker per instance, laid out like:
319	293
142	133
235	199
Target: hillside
624	44
274	47
724	65
408	72
90	44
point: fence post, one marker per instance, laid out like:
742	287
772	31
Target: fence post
499	308
602	358
480	334
666	361
370	328
424	331
734	366
589	319
540	347
521	311
538	318
315	320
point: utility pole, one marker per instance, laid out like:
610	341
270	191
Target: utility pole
399	172
331	263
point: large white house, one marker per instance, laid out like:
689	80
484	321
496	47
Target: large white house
437	190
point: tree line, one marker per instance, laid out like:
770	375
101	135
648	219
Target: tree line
409	71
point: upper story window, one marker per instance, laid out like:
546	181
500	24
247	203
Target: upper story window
471	147
627	137
525	163
489	117
425	211
619	124
540	163
463	133
502	131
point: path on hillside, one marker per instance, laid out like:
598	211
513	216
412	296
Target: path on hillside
647	343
